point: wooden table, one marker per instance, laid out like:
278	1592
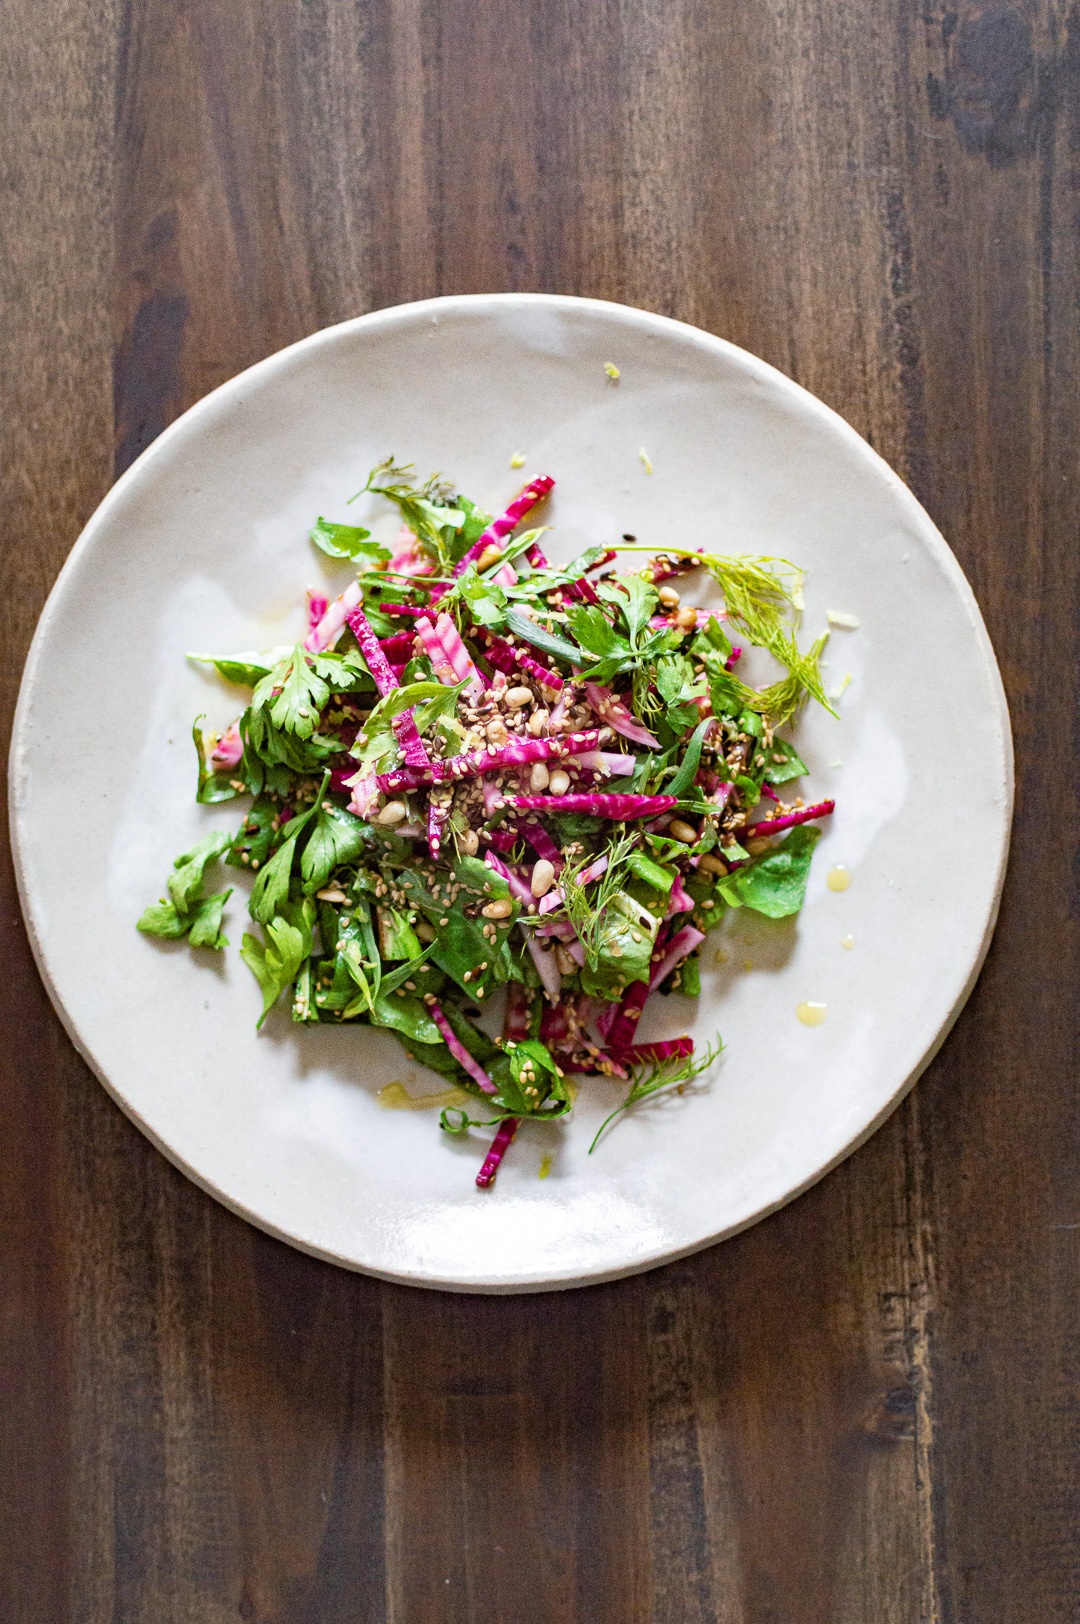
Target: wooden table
862	1411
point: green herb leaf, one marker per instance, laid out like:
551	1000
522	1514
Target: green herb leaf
338	837
206	922
346	541
690	761
783	763
775	884
186	882
276	961
245	673
547	642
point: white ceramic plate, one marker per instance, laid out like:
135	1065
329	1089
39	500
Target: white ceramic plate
201	545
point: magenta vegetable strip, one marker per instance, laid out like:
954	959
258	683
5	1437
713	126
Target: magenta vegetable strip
458	1049
435	651
438	816
472	763
624	807
508	1127
774	826
460	659
509	659
542	843
666	1049
611	710
500	528
398	649
518	887
332	624
385	681
317	607
682	943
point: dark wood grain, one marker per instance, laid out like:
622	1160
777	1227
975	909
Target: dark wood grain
865	1409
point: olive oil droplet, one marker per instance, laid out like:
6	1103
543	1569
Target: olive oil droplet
810	1013
847	941
838	878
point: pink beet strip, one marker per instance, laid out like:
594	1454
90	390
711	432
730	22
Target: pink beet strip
667	1049
773	826
611	763
612	710
228	750
505	575
561	929
499	528
508	1127
502	839
492	796
410	557
516	1014
542	843
537	556
581	588
460	659
409	609
617	1023
365	792
329	629
624	807
732	660
678	900
399	648
317	607
518	888
510	660
682	943
385	681
472	763
554	899
436	653
459	1051
438	815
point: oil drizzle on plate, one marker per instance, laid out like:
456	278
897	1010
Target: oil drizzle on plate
811	1014
838	878
396	1097
847	941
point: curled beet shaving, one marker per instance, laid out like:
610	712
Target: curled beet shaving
316	608
332	624
775	826
508	1127
385	681
472	763
458	1049
510	660
733	659
611	710
625	807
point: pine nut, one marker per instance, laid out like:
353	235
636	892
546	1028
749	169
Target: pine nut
543	877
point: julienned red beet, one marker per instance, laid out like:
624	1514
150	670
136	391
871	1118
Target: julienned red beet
508	1127
624	807
776	826
385	681
459	1051
509	660
515	753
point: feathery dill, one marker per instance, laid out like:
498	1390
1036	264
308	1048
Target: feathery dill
648	1078
762	596
586	913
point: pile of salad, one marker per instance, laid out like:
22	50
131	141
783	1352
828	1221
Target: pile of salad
484	774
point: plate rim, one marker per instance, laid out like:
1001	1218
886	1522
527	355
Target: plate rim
414	310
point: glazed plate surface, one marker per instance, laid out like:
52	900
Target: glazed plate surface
201	546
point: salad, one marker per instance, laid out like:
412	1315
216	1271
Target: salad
483	774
